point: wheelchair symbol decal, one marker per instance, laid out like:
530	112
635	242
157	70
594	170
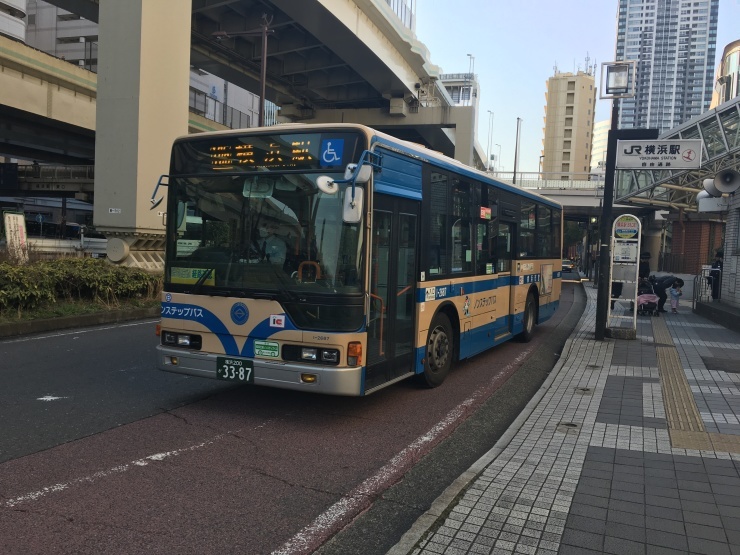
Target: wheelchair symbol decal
332	151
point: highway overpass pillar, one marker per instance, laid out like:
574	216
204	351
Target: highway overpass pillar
142	105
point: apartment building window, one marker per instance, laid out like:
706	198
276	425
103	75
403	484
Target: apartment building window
570	98
565	168
569	110
568	133
571	85
566	145
569	122
566	155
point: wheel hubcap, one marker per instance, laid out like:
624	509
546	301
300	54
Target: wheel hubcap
438	348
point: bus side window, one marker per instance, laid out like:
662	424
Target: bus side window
438	246
503	248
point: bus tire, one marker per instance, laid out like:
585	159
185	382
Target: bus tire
440	350
529	319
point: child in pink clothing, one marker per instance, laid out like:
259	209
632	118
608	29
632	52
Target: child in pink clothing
675	292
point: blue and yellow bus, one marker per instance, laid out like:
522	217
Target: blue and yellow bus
337	259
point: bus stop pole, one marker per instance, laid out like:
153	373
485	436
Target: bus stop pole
605	226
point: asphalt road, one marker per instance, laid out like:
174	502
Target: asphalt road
101	453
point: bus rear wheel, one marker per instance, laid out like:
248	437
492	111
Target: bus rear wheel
529	319
439	353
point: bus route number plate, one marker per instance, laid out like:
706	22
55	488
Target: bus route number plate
235	369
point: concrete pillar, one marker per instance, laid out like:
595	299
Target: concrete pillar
651	243
142	105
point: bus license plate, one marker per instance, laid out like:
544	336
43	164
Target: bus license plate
235	369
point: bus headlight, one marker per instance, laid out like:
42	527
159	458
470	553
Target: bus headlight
309	354
185	340
329	355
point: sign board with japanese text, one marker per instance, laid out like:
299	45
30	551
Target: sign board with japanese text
654	154
623	269
15	236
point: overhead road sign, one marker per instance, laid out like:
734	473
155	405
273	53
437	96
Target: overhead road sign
651	155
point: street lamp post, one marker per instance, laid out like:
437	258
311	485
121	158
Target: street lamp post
498	160
617	87
488	150
263	31
516	147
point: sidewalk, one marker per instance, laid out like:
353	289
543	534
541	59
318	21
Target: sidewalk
630	446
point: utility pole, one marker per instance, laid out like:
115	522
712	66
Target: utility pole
516	148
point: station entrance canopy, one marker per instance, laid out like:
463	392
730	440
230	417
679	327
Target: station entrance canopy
719	131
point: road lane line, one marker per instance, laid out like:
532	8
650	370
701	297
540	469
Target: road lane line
360	498
343	511
78	332
157	457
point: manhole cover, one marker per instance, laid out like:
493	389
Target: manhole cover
567	427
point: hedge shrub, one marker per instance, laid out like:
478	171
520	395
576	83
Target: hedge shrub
44	282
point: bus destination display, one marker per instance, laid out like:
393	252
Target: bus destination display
254	152
276	155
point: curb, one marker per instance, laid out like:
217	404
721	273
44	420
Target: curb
67	322
410	540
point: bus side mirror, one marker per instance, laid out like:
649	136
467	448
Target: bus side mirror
363	176
352	209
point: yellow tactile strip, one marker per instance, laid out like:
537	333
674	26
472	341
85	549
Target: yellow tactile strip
685	426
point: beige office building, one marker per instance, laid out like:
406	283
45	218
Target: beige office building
569	126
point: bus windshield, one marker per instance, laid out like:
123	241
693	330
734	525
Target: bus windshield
264	235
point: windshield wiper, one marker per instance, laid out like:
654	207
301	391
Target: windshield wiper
201	280
244	294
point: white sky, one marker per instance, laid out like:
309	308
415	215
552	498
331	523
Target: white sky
516	44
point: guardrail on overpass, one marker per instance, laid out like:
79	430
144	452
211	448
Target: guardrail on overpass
38	178
559	180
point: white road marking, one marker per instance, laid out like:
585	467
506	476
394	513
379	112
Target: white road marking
308	540
342	510
50	398
34	495
79	332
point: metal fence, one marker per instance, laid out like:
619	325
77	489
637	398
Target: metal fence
704	284
549	180
55	173
212	109
404	12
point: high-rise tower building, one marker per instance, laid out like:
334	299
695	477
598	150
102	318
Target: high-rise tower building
673	43
569	126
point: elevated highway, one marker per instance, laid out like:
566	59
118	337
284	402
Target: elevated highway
325	61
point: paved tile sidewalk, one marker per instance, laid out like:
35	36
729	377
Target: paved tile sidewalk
592	465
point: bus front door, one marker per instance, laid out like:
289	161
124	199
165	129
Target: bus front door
393	270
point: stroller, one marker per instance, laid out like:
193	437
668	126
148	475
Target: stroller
647	300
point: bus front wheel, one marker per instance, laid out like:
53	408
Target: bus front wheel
529	319
440	351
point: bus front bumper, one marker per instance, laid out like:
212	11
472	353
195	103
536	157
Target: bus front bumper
330	380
